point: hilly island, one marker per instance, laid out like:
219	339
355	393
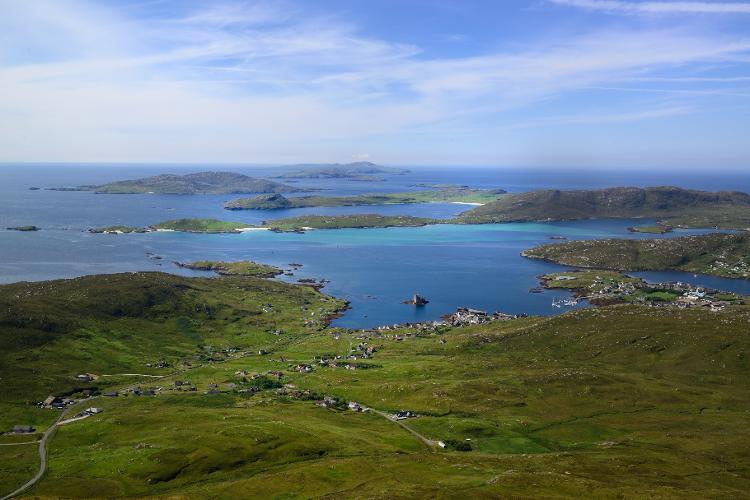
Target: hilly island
671	205
450	195
357	171
197	183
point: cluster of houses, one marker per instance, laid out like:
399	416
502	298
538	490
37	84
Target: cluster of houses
463	316
739	269
687	295
331	402
360	351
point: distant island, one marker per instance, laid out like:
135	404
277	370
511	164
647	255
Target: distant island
180	225
357	221
672	206
291	224
451	195
23	228
657	229
241	268
726	255
361	170
197	183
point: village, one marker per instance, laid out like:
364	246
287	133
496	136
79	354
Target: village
600	288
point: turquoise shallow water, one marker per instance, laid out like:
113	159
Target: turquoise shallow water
375	269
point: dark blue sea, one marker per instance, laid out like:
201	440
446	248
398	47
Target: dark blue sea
375	269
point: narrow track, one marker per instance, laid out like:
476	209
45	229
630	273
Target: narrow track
43	453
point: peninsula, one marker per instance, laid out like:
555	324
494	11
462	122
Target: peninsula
196	183
672	206
725	255
448	195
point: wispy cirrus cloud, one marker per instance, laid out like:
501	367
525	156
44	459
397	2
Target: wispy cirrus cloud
659	7
605	117
249	81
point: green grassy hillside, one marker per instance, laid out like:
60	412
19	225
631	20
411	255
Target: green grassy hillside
626	401
725	255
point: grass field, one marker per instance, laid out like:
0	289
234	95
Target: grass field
615	401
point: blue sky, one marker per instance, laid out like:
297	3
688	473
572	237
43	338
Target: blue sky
593	83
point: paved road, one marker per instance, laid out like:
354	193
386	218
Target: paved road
43	453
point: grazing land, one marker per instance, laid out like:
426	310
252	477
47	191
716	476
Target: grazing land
275	201
622	400
344	221
197	183
726	255
670	205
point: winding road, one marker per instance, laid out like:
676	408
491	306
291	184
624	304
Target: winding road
43	453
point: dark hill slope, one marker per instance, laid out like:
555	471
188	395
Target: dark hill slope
673	205
718	254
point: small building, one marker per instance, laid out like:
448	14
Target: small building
93	410
84	377
401	415
110	394
51	400
23	429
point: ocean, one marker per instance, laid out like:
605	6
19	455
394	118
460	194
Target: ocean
375	269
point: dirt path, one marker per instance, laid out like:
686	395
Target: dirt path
428	442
